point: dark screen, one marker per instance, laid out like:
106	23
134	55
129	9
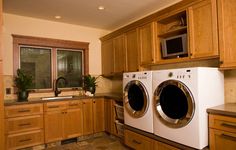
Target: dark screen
174	45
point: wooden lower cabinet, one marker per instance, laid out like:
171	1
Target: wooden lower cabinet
110	117
24	126
63	120
26	139
137	141
87	116
222	132
98	115
162	146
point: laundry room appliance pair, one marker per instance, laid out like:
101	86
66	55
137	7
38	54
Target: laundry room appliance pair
172	103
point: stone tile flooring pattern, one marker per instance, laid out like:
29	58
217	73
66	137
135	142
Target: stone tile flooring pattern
96	143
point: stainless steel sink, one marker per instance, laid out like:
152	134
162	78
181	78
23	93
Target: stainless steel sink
56	98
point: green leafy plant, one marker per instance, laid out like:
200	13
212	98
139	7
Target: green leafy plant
22	81
90	83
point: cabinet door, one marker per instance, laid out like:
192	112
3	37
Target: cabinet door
73	123
119	54
227	30
107	57
222	140
137	141
108	113
87	116
203	35
53	121
147	43
132	56
98	115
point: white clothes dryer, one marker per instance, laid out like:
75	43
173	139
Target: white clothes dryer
181	97
137	95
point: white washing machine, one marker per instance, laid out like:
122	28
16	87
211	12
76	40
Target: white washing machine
137	93
180	100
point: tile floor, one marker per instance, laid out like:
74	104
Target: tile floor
97	143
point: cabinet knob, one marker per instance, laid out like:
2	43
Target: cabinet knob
221	62
94	102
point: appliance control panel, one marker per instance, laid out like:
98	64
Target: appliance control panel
180	75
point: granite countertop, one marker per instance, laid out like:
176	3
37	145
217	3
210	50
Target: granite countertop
225	109
115	96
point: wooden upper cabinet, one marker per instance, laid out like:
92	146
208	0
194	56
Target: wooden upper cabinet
119	54
132	55
203	34
227	30
107	57
147	41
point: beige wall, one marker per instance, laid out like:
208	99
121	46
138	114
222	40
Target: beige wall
14	24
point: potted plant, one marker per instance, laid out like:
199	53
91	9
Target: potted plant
23	82
90	83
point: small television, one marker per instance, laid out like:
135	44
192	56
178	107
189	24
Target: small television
175	46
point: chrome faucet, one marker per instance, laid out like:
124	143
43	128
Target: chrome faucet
56	91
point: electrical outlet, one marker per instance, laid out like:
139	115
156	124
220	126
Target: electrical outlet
8	91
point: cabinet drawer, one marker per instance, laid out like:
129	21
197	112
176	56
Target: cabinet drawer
222	140
23	110
53	106
16	141
223	123
75	104
21	124
137	141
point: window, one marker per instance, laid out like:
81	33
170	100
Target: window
47	59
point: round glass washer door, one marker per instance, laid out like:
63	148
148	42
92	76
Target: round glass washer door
136	99
174	103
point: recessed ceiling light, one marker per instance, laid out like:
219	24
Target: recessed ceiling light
101	7
58	17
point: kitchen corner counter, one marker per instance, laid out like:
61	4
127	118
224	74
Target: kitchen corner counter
115	96
225	109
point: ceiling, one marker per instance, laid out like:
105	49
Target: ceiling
117	13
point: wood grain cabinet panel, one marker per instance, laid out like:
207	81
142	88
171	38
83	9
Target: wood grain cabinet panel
162	146
227	30
137	141
107	57
203	31
21	124
222	132
98	115
26	139
24	125
73	122
63	120
87	116
147	40
119	54
23	110
132	55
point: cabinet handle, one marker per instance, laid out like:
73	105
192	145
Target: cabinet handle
94	102
229	125
24	124
73	104
24	110
228	137
53	106
25	140
136	142
221	62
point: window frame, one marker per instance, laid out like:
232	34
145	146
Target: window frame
54	44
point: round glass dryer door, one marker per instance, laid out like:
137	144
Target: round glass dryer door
174	103
136	99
